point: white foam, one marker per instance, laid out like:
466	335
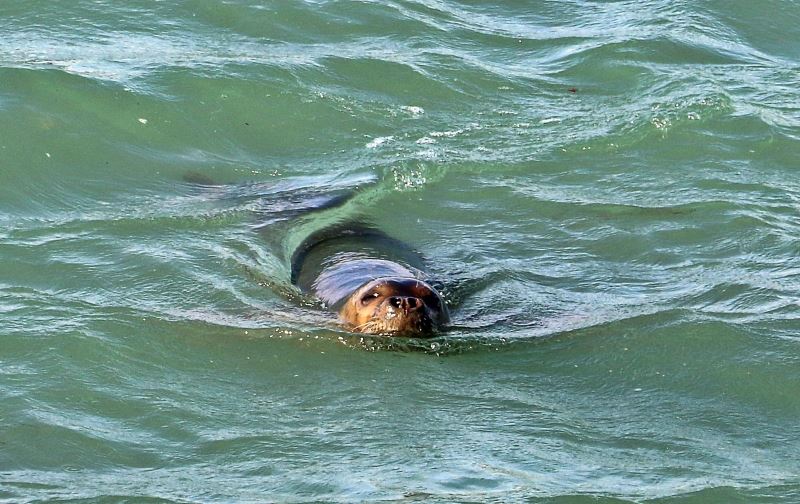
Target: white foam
413	110
377	142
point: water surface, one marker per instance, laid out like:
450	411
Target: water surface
609	190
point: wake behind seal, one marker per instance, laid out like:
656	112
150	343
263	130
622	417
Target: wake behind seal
375	283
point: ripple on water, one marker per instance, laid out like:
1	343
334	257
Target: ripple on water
608	189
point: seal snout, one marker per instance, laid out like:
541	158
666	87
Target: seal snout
406	303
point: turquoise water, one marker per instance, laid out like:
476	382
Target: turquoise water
609	191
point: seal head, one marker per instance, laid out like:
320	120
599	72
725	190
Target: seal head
395	305
374	282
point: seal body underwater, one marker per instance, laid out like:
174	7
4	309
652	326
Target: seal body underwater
375	283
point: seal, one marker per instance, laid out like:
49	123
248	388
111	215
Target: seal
375	283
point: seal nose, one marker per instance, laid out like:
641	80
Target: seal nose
406	303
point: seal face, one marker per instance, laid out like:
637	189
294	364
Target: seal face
375	283
395	305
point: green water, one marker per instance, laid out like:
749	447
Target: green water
609	191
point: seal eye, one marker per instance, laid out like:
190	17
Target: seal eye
369	297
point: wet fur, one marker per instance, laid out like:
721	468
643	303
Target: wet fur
340	265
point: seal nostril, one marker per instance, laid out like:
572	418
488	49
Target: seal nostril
407	303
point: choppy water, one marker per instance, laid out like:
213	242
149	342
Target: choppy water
610	189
